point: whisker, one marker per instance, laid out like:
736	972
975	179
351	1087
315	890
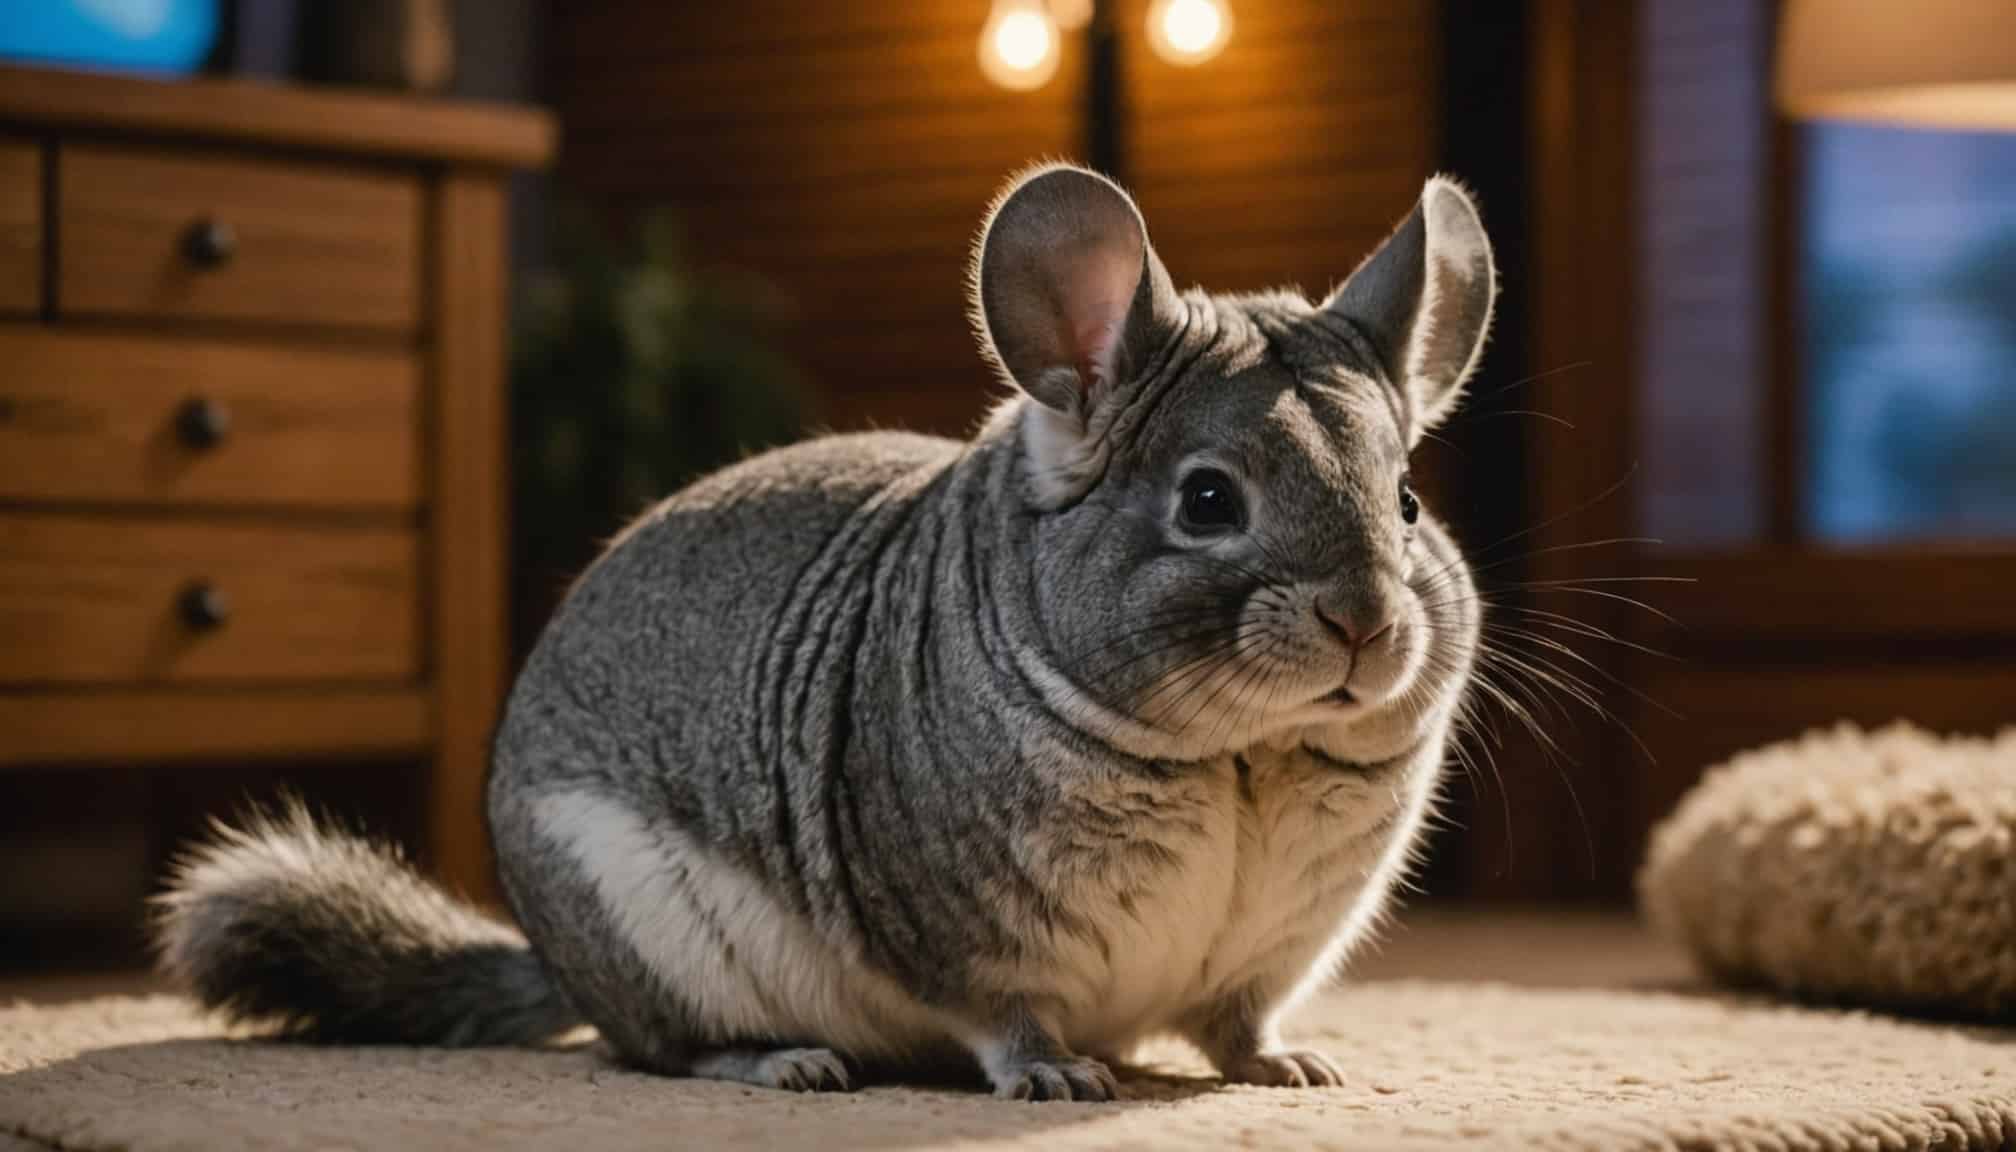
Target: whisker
1487	598
1556	646
1548	416
1552	752
1193	683
1578	580
1534	378
1605	494
1251	660
1576	547
1540	618
1264	664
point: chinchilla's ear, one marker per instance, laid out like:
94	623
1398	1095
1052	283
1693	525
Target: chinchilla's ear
1424	300
1068	296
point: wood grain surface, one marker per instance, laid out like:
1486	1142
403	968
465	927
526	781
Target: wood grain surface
100	417
98	600
177	725
468	636
20	226
317	246
273	115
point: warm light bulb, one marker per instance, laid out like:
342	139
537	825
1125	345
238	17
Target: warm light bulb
1189	31
1018	47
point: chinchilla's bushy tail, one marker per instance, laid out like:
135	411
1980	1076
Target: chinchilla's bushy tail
318	935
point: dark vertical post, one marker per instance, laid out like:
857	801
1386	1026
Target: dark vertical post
1105	149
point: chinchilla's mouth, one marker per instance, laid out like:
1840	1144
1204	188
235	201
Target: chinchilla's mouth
1341	697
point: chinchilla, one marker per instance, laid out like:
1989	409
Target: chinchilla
886	751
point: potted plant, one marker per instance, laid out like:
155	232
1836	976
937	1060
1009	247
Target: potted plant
633	371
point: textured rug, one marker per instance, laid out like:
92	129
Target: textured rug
1432	1065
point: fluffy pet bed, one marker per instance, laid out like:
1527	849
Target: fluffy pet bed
1877	868
1430	1066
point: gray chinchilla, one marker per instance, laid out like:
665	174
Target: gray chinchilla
886	751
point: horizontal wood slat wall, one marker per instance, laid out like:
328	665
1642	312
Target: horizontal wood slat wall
846	152
843	151
1292	154
20	226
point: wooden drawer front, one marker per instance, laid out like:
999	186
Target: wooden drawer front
293	243
98	417
20	227
109	600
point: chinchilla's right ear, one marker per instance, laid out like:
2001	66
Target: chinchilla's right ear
1069	300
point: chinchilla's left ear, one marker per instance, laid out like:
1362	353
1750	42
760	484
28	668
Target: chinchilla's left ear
1424	300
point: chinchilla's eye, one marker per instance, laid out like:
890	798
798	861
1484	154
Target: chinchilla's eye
1410	508
1211	503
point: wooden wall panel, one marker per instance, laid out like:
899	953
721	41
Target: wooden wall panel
1753	703
1702	271
1284	160
20	226
846	152
1569	826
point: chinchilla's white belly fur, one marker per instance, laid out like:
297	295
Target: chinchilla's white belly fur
1276	864
1275	872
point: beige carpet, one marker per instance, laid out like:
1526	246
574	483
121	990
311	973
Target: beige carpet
1432	1065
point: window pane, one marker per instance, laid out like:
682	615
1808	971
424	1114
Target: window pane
1908	269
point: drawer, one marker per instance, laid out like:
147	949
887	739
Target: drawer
20	227
126	600
199	236
97	417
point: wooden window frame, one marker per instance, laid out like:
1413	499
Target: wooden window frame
1791	587
1787	585
1771	636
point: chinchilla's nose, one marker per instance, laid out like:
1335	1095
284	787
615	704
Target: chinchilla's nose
1358	614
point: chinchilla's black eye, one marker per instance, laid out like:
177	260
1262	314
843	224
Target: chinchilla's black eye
1410	508
1211	503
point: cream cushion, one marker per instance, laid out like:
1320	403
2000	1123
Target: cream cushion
1870	867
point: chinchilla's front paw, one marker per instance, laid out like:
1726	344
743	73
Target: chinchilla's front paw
1297	1068
1072	1078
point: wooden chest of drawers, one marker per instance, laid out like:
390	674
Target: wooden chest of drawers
252	428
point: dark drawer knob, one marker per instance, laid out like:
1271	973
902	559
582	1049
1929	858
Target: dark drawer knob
209	243
202	423
204	607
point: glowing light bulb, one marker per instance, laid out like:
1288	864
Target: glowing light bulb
1189	31
1018	47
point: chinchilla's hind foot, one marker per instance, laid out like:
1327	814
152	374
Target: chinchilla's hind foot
789	1069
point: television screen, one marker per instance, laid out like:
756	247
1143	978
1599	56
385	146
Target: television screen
159	36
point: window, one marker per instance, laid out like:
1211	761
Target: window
1907	273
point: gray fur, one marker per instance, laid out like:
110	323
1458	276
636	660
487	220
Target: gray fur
908	751
326	937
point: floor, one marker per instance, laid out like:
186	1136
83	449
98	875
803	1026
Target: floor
1536	1031
1552	948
